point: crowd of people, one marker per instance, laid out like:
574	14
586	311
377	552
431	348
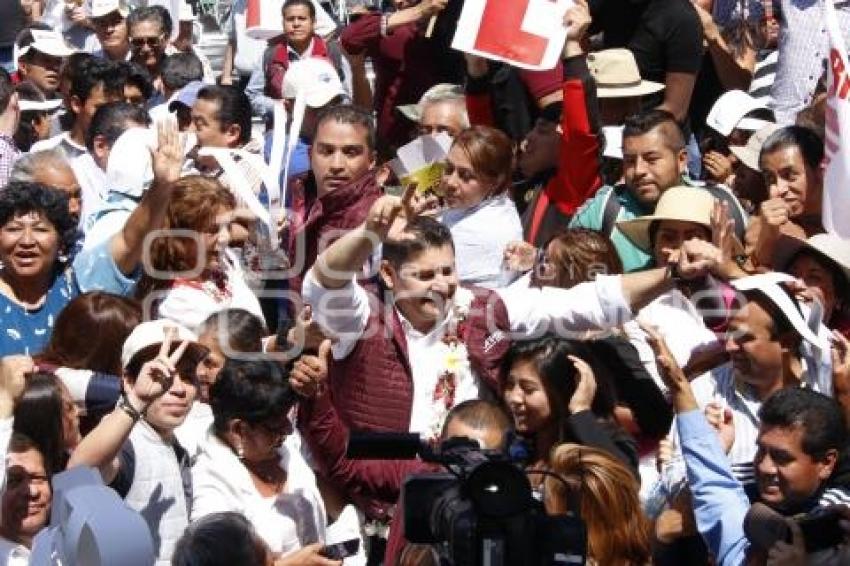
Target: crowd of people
210	279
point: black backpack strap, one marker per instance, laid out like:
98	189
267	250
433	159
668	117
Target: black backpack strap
610	212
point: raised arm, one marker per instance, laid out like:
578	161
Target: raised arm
127	245
100	448
719	501
336	266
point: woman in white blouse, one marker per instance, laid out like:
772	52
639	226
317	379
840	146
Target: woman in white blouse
243	465
188	275
481	215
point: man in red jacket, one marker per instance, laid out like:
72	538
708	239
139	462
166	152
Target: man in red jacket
406	62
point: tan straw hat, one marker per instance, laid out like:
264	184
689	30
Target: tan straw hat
686	204
828	247
616	74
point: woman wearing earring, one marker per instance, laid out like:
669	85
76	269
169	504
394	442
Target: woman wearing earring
243	465
481	215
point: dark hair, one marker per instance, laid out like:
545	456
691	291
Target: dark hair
349	114
157	14
180	69
20	442
94	71
220	539
804	139
7	89
781	324
90	330
306	3
558	375
21	197
819	417
25	135
136	75
420	233
39	415
254	391
646	121
73	66
491	154
478	414
244	331
113	119
233	108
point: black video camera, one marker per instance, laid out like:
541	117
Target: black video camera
482	510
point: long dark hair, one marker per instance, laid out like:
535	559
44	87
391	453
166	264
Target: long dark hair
39	415
549	357
89	332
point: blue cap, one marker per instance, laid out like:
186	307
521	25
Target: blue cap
186	95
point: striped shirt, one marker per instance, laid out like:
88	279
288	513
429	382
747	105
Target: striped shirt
764	75
803	48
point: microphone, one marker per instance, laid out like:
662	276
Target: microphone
384	446
764	527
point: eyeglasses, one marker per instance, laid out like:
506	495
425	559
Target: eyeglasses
139	42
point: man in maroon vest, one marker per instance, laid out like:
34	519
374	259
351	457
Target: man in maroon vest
335	195
402	359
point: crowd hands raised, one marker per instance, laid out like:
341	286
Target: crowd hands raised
206	288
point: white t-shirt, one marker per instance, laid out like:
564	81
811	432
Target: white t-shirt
13	554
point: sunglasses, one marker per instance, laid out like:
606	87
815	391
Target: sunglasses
139	42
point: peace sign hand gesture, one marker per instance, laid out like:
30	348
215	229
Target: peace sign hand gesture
156	376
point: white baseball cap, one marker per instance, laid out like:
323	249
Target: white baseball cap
153	332
99	8
48	42
729	110
316	78
39	105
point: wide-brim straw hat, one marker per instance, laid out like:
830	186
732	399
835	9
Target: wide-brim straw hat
682	203
831	249
617	75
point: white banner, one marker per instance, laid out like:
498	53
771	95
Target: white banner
525	33
836	183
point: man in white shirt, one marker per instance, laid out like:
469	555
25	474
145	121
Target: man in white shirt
108	123
25	503
421	297
95	83
109	19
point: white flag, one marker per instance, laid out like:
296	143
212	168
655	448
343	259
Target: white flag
836	183
525	33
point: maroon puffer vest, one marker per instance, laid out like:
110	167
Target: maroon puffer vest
372	387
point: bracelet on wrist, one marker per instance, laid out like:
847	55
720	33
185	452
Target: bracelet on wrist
125	405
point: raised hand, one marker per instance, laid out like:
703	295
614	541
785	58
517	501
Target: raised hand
582	398
168	156
307	334
519	256
157	376
577	20
310	373
668	368
720	418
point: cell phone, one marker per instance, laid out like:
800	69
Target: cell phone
342	549
822	531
